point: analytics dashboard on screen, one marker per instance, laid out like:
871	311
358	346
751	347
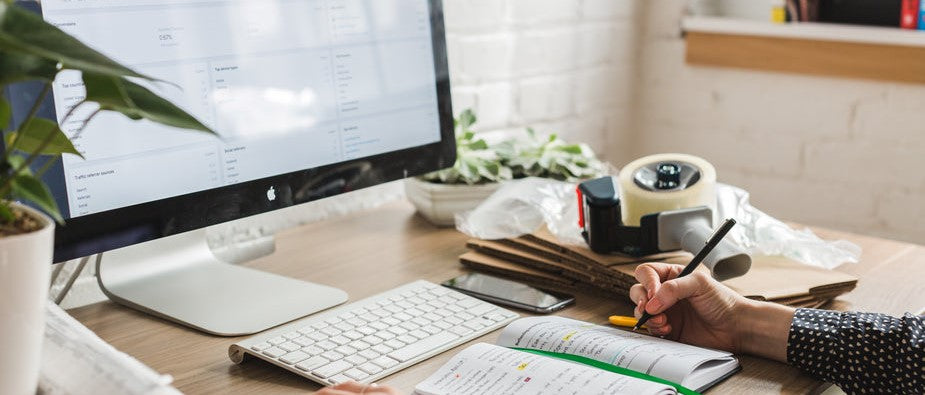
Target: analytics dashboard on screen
288	85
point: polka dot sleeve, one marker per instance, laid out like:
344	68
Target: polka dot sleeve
860	352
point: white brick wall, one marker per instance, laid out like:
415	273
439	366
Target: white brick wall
560	66
843	153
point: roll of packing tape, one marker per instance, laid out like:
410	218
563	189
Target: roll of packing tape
664	182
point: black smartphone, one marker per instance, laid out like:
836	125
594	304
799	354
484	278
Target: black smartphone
509	293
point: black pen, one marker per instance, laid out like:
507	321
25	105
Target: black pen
714	240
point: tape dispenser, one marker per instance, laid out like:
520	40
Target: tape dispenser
666	203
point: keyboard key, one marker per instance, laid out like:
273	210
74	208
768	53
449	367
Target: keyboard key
496	317
369	317
331	331
366	330
404	304
416	300
333	355
289	346
312	350
459	330
355	359
326	345
294	357
359	345
398	330
311	363
454	308
473	325
319	325
357	322
424	345
443	312
356	374
346	316
418	334
394	343
332	320
392	308
382	313
481	309
443	324
385	335
277	340
340	340
368	354
381	349
274	352
426	308
346	350
292	335
440	291
409	325
468	302
425	320
370	368
385	362
433	330
407	294
407	339
464	316
317	336
344	326
379	325
427	296
260	346
453	320
353	335
372	340
390	321
306	330
303	341
340	378
415	312
400	317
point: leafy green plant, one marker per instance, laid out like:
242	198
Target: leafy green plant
33	50
479	162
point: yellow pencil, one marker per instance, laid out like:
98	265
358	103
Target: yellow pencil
620	320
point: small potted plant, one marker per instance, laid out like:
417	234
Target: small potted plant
481	167
33	50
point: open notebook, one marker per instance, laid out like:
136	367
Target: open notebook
627	362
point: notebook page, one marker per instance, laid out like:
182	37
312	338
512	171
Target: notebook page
491	370
661	358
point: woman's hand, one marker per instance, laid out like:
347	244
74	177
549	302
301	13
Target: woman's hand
698	310
354	388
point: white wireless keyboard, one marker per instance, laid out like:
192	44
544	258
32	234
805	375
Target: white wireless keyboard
377	336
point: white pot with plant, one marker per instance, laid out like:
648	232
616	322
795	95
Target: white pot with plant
481	167
32	50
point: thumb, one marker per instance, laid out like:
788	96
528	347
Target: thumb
672	291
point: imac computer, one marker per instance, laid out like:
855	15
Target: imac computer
310	98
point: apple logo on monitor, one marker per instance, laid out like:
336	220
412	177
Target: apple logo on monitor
271	194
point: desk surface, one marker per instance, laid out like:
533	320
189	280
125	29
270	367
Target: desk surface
377	250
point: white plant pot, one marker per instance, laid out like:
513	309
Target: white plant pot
439	203
25	267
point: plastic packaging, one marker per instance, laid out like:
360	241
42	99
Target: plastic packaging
522	206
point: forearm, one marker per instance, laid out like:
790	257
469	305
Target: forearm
765	328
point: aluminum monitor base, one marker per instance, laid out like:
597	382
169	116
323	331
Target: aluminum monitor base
179	278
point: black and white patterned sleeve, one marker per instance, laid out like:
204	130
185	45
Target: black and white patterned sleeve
860	352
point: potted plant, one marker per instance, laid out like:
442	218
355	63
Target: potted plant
33	50
481	167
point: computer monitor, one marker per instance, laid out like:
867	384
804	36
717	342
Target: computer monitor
311	98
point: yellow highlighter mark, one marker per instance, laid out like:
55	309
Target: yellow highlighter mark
522	366
569	336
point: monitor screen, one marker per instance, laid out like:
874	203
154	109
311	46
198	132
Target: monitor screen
310	98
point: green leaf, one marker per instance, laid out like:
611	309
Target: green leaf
5	112
136	102
6	212
17	161
28	188
26	32
37	130
17	67
467	118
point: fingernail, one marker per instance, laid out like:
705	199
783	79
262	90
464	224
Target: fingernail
654	305
650	293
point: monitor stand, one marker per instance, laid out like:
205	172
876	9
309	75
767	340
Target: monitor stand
180	279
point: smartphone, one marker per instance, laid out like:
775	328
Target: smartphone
509	293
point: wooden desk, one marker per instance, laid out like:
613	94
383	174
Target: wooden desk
377	250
